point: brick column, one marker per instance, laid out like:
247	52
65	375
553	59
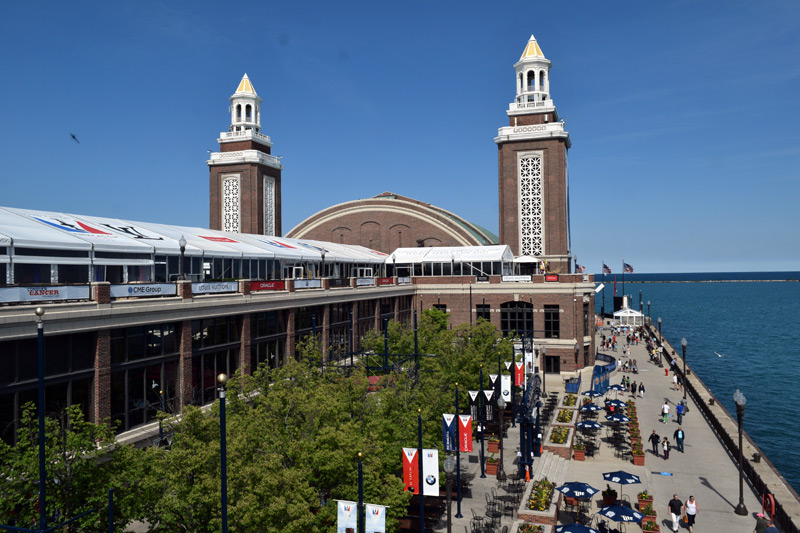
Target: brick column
396	308
326	331
354	307
101	292
377	312
244	286
290	338
244	350
185	289
102	376
184	384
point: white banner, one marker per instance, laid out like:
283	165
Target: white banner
347	516
430	471
508	364
403	280
505	385
376	518
44	294
365	282
143	289
516	278
307	283
215	286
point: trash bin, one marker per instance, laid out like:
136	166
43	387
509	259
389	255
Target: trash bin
711	401
756	457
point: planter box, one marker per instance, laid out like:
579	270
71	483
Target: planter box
656	530
644	502
638	460
493	446
562	450
649	518
491	468
609	500
579	455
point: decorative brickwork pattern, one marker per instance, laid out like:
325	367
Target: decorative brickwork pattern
269	206
230	204
531	210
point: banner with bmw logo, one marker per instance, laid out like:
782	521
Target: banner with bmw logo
430	471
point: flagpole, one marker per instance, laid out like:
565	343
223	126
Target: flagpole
421	480
483	426
458	459
603	311
623	280
360	511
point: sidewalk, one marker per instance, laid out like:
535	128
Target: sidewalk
705	470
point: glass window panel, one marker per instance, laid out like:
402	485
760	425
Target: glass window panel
136	399
135	343
118	399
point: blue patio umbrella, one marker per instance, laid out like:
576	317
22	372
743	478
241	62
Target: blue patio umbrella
588	424
577	489
620	513
617	387
590	408
592	394
617	404
575	528
616	417
622	477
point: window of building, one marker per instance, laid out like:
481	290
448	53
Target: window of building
586	319
483	311
440	307
516	318
551	322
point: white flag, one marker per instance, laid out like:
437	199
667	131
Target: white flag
376	518
430	471
347	516
505	385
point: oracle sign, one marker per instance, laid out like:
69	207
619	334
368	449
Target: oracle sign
551	277
267	285
385	281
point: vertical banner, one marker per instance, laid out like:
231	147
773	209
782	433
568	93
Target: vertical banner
489	411
347	517
519	374
508	364
465	432
410	469
430	470
505	387
473	404
493	381
376	518
449	432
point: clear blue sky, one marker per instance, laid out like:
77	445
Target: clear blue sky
683	115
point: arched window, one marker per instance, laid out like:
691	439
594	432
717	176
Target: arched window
531	85
542	81
238	112
248	113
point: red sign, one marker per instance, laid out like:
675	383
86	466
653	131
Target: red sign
267	285
410	469
465	433
551	277
519	374
385	281
217	239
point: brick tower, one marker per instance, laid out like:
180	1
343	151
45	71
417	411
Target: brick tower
533	179
245	179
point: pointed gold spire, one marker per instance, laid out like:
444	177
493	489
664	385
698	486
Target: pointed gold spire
532	49
245	86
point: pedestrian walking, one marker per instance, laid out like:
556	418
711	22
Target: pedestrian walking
641	390
654	440
664	413
674	382
679	435
675	506
679	411
633	389
771	528
691	513
666	446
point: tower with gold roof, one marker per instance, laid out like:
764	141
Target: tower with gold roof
532	160
245	178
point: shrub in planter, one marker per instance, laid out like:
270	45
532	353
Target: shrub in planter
564	416
530	528
609	496
541	495
559	435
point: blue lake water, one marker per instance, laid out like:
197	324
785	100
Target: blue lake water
754	325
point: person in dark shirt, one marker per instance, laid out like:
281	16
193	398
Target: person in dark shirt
654	440
679	435
676	510
771	528
761	523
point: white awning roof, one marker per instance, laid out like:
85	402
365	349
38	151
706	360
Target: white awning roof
29	233
446	254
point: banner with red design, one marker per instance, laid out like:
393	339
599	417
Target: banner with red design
411	470
465	432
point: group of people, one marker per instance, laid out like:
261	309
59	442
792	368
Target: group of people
686	512
656	441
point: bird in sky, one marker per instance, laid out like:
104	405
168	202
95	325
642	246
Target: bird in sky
74	138
718	354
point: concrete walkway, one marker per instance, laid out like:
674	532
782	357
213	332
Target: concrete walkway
705	470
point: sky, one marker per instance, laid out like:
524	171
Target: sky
683	115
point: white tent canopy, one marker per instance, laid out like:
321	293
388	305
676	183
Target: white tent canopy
447	254
629	317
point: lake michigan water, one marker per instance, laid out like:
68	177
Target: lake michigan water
754	325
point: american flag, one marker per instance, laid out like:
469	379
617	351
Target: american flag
627	268
580	269
606	270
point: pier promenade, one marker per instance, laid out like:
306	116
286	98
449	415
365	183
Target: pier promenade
706	469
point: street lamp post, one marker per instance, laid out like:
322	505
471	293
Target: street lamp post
449	466
501	406
360	515
322	265
482	424
740	401
577	350
543	362
182	244
660	337
222	379
394	265
42	508
648	311
458	462
685	381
